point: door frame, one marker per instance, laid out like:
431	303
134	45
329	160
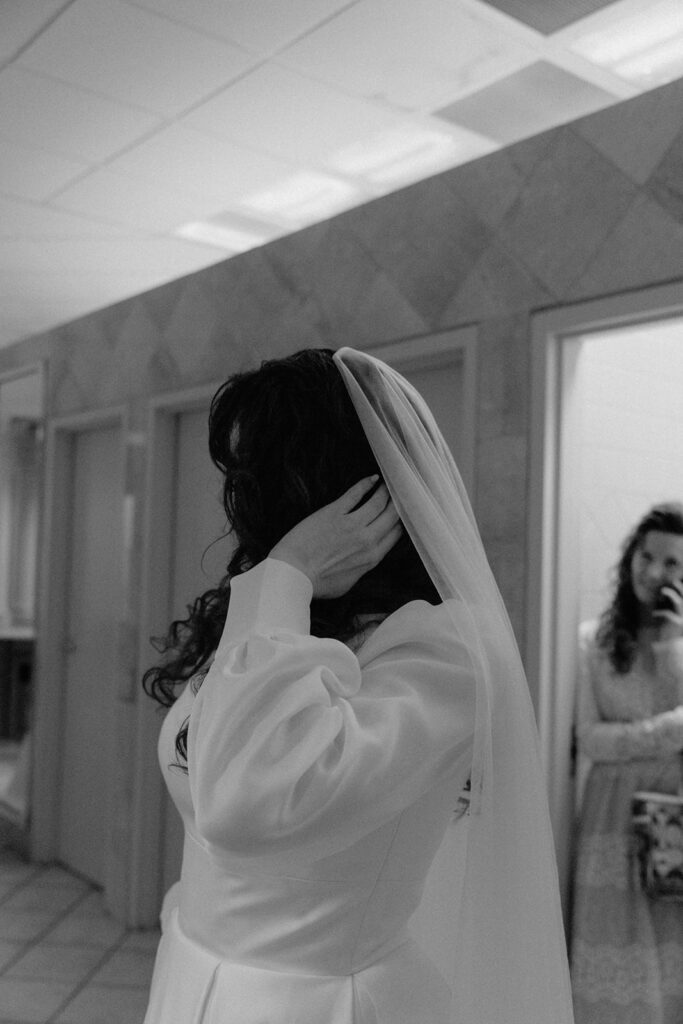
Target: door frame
551	654
147	813
458	344
54	566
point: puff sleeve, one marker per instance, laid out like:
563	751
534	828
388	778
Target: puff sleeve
292	740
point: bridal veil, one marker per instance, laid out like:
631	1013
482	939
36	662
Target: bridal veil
510	961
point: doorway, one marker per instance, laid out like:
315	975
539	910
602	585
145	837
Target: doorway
77	677
605	418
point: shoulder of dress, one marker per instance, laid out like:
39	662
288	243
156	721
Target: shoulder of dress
417	623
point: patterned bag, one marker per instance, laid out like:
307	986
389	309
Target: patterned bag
658	827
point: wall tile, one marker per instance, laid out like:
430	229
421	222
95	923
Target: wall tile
507	561
666	183
425	240
503	358
569	206
498	284
489	186
636	135
501	487
645	247
188	330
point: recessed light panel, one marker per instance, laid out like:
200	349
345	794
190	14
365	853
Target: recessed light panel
645	47
220	237
302	199
396	157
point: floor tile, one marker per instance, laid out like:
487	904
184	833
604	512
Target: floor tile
56	963
91	905
147	940
56	876
8	951
127	968
32	1002
42	898
75	930
23	925
105	1006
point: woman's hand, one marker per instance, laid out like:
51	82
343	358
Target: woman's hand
342	541
670	619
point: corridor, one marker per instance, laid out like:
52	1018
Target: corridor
63	959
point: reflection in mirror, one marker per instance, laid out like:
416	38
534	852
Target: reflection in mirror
21	439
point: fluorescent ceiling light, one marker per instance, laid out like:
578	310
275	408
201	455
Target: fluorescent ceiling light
643	47
659	64
221	236
303	198
406	153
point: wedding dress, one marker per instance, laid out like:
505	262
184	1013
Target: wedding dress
321	779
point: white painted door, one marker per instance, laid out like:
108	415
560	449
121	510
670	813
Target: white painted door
89	747
198	563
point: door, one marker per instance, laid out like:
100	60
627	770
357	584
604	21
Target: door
93	600
200	557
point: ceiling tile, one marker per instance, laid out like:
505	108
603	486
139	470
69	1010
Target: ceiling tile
20	22
108	268
526	103
134	56
261	26
185	159
52	115
549	15
408	55
279	111
32	173
20	219
148	206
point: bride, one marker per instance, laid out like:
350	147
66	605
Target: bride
330	701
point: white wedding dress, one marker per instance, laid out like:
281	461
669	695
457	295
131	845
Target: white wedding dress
318	788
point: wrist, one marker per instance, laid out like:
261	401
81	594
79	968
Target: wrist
292	557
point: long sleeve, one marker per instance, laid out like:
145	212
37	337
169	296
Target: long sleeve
654	736
292	743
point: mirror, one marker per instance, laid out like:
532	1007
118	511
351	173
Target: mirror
21	445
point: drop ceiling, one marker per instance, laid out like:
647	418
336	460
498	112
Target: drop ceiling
141	141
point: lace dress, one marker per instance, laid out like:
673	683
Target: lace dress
320	783
627	950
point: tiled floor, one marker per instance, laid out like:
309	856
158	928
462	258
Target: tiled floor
63	959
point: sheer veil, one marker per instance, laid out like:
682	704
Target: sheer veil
510	961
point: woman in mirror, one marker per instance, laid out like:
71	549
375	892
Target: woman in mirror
627	947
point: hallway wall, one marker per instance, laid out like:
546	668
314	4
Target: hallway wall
588	209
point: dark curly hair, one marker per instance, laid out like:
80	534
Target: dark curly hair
288	441
618	627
